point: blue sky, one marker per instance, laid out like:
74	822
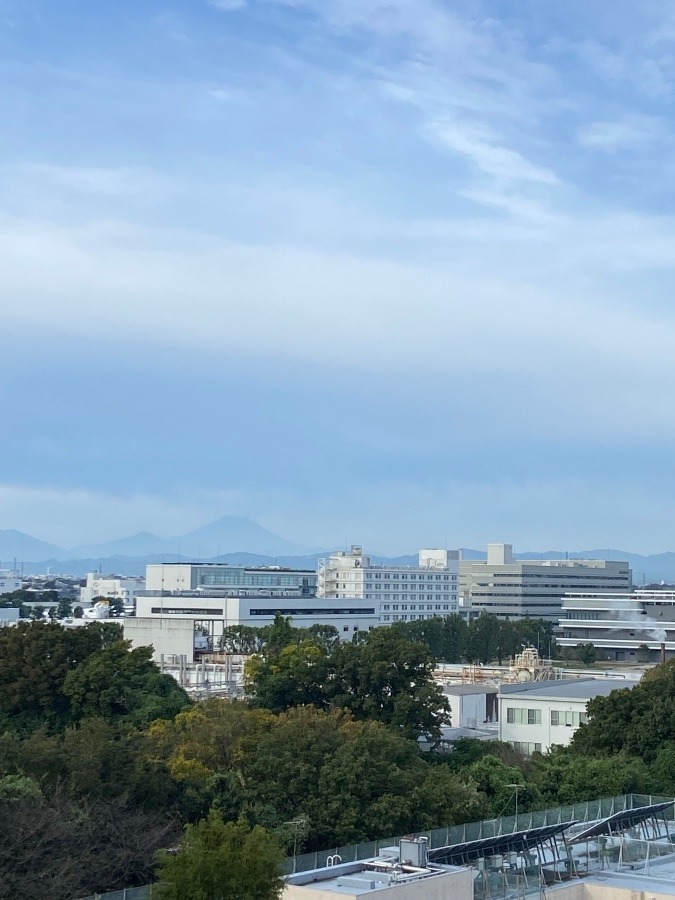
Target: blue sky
390	271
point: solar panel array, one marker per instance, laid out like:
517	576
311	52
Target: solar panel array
517	842
627	818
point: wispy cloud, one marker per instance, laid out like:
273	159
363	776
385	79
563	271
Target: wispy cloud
631	132
485	152
227	5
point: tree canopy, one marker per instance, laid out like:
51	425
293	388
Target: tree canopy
220	860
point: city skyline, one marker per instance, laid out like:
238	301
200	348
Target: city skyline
397	273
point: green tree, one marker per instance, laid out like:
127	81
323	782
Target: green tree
241	639
389	679
296	675
118	682
483	639
587	654
640	720
326	636
496	780
222	861
78	612
643	653
35	659
562	777
65	608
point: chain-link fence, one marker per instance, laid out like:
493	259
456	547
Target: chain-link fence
137	893
444	837
471	831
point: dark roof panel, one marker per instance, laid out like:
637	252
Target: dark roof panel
627	818
516	842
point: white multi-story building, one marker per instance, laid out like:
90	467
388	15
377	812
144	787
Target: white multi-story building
111	586
635	627
536	715
189	622
224	577
511	588
399	593
9	581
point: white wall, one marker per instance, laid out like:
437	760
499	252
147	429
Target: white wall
9	583
167	636
159	577
545	734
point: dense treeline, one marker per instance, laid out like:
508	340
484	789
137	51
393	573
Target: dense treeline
103	760
449	639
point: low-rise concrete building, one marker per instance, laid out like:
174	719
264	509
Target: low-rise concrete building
190	623
10	581
471	705
114	587
535	716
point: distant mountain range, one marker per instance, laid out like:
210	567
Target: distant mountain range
241	541
229	534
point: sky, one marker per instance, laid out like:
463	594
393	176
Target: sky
390	272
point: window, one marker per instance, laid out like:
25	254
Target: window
345	628
568	718
526	747
517	716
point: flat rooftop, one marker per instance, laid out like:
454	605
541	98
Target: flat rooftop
572	689
370	876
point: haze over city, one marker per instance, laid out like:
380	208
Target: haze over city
398	273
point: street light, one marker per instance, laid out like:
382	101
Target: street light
516	788
297	825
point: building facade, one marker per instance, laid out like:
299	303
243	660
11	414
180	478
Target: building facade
623	627
10	581
511	589
111	586
535	716
220	576
191	622
400	593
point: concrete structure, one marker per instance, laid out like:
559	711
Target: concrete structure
191	622
223	577
623	627
10	581
111	586
398	873
511	588
399	593
536	715
471	705
615	848
9	617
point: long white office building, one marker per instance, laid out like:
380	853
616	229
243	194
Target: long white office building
400	593
511	588
632	627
